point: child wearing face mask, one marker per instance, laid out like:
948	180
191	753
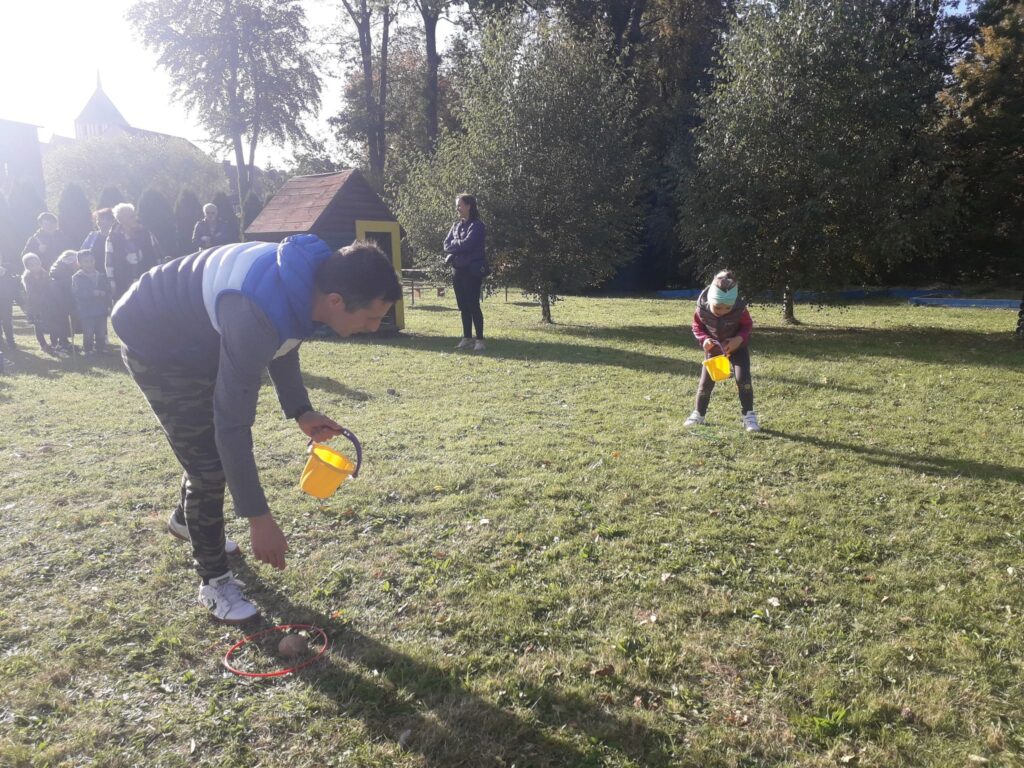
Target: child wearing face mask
722	325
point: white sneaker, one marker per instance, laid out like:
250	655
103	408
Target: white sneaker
464	344
180	531
694	420
750	422
479	346
224	599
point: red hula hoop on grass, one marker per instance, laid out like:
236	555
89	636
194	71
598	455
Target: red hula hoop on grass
276	672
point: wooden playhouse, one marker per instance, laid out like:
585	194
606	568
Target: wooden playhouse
338	208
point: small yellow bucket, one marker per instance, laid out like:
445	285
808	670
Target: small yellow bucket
719	368
326	469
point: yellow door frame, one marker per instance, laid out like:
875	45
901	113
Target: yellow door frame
391	227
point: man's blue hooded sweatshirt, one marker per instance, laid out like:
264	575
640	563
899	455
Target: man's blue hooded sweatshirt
169	316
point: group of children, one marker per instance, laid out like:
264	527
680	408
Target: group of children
72	296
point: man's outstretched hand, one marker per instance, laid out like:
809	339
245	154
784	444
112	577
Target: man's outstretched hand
268	541
318	427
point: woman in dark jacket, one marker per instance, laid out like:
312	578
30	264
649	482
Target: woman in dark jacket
464	252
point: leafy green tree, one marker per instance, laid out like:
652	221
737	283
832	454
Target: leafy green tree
187	211
132	164
10	246
815	165
251	209
243	67
984	126
157	215
548	150
25	206
227	212
74	214
109	197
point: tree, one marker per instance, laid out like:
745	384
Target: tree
251	209
109	197
187	211
10	245
226	212
374	74
548	151
132	164
983	125
74	214
25	205
243	67
815	165
157	216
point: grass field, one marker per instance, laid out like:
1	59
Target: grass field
540	566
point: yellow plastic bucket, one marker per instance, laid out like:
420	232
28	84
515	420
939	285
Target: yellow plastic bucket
719	368
325	471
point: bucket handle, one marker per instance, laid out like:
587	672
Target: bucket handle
355	441
719	345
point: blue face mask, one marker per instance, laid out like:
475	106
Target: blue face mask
717	296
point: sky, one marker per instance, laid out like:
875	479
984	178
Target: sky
51	51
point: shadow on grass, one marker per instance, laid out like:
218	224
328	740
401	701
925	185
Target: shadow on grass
919	344
40	365
335	387
931	465
449	725
430	308
586	354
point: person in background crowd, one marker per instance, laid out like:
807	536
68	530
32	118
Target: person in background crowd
130	249
65	317
92	300
464	252
46	242
96	241
40	302
209	230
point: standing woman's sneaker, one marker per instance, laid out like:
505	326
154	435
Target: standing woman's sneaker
694	420
479	346
224	599
464	344
750	422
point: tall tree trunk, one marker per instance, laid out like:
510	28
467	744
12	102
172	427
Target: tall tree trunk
1020	320
382	97
545	308
251	165
787	306
430	16
240	173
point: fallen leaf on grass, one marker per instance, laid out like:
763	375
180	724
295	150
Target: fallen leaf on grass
667	577
606	671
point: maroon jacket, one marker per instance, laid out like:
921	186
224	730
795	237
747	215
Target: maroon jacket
736	322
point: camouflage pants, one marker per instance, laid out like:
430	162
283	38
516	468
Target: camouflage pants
183	404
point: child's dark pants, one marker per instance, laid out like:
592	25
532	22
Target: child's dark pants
467	296
740	360
183	404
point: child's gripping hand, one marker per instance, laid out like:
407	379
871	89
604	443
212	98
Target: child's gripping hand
709	345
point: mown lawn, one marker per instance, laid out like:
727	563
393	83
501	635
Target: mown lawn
540	566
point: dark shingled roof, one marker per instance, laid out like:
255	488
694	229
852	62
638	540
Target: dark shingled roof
100	110
324	203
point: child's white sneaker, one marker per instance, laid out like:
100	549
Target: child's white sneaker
180	531
224	599
750	422
464	344
694	420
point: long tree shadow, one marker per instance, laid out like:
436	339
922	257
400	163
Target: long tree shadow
932	465
591	354
919	344
445	722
